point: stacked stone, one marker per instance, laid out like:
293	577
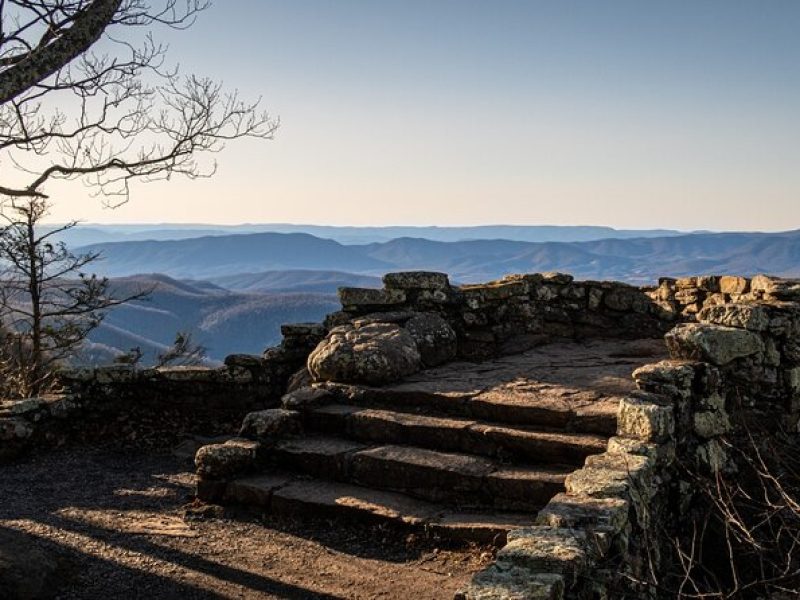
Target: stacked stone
196	387
591	540
92	400
687	296
520	311
757	349
598	538
28	422
218	464
513	314
279	364
415	291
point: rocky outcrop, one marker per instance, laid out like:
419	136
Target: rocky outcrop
373	353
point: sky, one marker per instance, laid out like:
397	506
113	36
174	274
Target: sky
679	114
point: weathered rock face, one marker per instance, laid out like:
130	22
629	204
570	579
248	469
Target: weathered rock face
435	339
422	280
218	461
744	316
375	353
716	344
272	423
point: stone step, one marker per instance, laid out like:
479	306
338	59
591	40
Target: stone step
516	444
450	478
288	495
545	405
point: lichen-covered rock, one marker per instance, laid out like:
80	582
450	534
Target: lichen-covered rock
712	456
627	299
436	341
270	424
645	417
614	475
716	344
744	316
776	287
422	280
670	378
497	582
305	398
298	380
221	461
376	354
709	424
579	512
731	284
350	296
546	550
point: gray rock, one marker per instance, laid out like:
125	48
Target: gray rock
512	583
436	341
716	344
645	419
349	296
303	329
299	379
219	461
743	316
306	397
376	353
731	284
423	280
709	424
271	424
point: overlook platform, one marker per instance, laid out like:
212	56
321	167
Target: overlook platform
467	451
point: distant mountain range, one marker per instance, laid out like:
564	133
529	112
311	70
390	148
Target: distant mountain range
277	261
223	321
232	291
86	234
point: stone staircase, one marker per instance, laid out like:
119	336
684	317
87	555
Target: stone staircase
465	451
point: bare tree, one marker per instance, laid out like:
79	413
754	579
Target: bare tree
110	117
184	351
48	304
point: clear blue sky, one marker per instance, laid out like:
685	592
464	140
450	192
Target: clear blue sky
678	114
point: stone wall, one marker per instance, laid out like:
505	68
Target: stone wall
515	313
734	373
130	401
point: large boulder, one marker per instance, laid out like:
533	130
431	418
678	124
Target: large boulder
436	341
372	353
716	344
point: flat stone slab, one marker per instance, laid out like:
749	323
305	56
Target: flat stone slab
566	385
480	527
600	366
411	468
446	477
329	498
517	443
256	490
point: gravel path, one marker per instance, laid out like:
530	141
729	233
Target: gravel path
116	523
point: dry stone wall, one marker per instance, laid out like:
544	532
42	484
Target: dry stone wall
733	374
513	314
98	402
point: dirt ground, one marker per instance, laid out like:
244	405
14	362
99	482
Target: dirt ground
116	522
